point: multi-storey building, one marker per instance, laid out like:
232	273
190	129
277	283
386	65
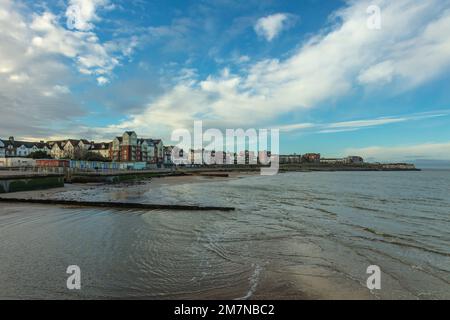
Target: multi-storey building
57	149
128	148
151	157
290	159
354	160
155	151
2	149
14	148
173	155
69	148
347	160
311	157
102	149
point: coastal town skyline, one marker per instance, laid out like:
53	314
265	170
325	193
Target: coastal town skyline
149	150
318	73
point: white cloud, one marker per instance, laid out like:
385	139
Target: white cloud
345	126
19	78
81	13
243	59
56	90
381	74
270	27
91	56
330	65
35	74
102	81
297	126
365	123
436	151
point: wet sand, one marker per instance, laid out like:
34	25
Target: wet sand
69	189
306	238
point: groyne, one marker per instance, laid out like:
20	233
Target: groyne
120	205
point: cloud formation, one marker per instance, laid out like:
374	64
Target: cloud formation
410	49
345	126
270	27
36	58
82	13
90	55
52	73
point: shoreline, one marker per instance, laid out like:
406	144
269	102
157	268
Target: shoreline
316	274
158	181
63	193
290	282
16	181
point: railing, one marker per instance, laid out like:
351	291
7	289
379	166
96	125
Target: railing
72	171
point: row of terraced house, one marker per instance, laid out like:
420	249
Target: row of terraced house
126	148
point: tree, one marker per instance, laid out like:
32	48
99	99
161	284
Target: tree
86	155
39	155
79	154
92	156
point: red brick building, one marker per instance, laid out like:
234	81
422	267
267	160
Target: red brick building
128	148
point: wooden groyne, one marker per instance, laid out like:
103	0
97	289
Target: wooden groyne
121	205
212	175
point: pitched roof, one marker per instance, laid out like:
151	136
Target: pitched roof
74	142
18	144
59	144
41	145
141	141
101	146
153	141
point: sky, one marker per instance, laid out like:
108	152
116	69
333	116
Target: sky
367	78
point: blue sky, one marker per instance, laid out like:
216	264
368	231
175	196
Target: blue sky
315	69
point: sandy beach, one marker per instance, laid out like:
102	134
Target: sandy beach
69	190
292	236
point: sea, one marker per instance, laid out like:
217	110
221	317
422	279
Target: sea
296	235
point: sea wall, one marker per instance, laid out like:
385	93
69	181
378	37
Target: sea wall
28	183
118	177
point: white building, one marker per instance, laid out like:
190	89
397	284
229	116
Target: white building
2	149
68	148
13	148
57	150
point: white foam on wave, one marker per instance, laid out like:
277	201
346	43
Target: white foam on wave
254	280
